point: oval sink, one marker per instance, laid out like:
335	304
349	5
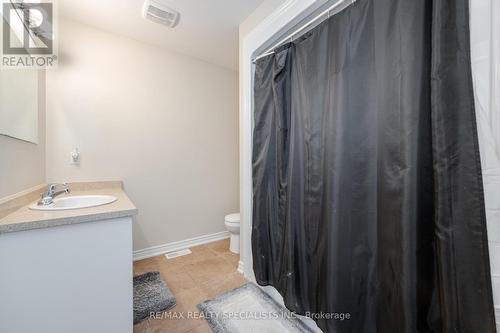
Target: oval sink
76	202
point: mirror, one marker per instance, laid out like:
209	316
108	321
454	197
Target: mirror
19	103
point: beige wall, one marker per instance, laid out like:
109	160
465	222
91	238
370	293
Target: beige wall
166	124
22	164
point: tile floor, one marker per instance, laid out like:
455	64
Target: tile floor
207	272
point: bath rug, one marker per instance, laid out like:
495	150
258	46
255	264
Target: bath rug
151	294
249	309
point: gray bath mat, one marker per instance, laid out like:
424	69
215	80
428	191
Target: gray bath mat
248	309
151	294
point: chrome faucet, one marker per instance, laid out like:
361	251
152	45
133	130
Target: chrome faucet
52	192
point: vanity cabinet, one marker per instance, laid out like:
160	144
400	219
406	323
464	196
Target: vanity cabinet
68	271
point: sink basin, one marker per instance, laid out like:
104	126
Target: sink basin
76	202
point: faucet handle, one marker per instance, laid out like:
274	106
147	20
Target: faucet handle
53	186
49	195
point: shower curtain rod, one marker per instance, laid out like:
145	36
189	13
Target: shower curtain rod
303	27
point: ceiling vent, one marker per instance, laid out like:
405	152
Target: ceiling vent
157	11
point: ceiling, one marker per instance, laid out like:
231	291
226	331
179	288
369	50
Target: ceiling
208	29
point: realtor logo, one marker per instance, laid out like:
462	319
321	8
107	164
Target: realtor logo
28	34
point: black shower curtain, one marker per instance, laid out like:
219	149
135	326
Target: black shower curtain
367	189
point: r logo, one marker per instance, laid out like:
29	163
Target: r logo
27	28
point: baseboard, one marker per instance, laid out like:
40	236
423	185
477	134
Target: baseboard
179	245
240	267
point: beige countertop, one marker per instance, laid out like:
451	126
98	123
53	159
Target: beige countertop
23	218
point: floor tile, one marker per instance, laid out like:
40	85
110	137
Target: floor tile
210	270
232	258
203	328
228	282
220	246
177	281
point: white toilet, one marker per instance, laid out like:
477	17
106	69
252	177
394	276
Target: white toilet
232	222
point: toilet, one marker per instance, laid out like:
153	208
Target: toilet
232	222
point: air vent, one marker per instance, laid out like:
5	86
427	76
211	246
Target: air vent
157	11
176	254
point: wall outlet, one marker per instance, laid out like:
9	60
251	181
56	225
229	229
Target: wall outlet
74	157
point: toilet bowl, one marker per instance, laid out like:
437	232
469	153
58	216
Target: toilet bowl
232	222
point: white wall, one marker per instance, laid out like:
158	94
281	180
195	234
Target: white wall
22	163
485	47
164	123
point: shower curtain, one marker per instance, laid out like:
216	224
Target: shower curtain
367	189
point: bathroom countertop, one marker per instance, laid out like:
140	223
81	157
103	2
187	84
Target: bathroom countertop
24	218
